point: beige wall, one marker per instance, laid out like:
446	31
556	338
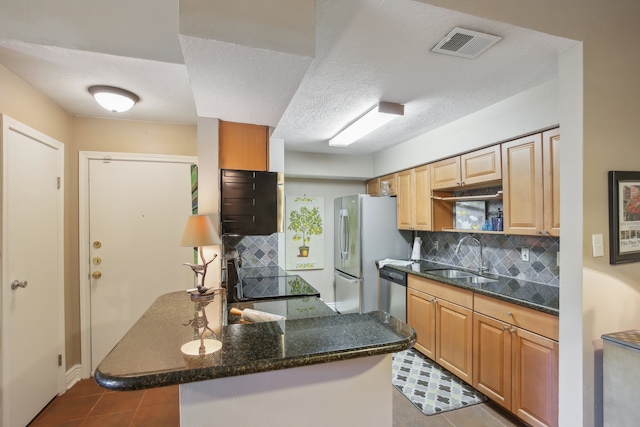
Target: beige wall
25	104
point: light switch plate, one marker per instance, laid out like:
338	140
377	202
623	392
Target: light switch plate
596	240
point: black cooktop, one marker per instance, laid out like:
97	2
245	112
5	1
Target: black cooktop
257	288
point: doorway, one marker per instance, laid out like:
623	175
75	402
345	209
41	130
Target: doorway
133	209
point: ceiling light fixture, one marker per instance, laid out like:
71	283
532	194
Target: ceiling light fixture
113	98
376	117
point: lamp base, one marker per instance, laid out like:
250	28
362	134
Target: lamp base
192	348
196	295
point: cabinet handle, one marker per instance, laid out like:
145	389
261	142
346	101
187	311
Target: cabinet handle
505	327
509	313
538	232
545	232
512	331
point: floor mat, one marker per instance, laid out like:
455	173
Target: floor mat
430	387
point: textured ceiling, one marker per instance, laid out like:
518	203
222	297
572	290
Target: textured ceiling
305	68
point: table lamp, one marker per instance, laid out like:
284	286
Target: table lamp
200	232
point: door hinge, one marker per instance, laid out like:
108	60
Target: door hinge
59	360
58	181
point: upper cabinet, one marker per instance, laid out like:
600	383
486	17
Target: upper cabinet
243	146
480	167
414	199
531	184
374	186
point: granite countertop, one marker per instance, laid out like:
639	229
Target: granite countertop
629	338
258	283
149	354
541	297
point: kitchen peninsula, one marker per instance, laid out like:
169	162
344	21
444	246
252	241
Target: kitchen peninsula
286	372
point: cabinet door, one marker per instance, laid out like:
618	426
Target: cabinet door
405	200
535	378
373	187
243	146
522	185
422	196
481	166
492	359
551	164
454	339
392	179
421	317
446	173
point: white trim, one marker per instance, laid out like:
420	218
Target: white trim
8	124
73	376
83	238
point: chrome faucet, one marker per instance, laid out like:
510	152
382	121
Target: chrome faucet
481	267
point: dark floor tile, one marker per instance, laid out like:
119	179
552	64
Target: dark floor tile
69	409
123	401
161	396
84	388
121	419
70	423
165	416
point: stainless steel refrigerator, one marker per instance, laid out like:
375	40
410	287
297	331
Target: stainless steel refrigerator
365	231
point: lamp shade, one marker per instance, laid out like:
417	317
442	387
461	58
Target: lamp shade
114	99
199	232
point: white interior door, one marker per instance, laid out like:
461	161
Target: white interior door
32	272
137	213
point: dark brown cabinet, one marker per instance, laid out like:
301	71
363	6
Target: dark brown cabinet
251	202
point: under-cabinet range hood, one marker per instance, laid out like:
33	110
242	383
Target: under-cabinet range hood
251	202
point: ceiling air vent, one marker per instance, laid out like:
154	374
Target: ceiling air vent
465	43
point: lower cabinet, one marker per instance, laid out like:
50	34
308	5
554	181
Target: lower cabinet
515	359
442	317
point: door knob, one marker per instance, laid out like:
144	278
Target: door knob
18	284
96	275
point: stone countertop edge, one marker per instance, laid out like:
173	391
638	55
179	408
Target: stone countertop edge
629	338
405	335
550	308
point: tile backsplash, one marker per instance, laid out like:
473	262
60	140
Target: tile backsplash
501	254
255	251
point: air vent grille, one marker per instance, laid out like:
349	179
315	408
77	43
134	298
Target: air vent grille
465	43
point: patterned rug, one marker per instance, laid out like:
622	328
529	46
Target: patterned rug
430	387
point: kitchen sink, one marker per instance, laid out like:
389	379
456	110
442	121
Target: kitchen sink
451	274
461	275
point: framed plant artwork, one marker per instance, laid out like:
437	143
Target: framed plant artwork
624	217
304	233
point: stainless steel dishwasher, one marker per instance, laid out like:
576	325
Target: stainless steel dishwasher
393	292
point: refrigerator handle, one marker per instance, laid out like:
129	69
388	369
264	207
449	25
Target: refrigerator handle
344	234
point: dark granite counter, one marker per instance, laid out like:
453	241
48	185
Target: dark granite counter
260	283
629	338
541	297
149	355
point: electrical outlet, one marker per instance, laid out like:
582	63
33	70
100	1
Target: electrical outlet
435	245
524	254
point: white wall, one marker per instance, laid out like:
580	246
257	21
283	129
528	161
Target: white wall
322	280
527	112
317	165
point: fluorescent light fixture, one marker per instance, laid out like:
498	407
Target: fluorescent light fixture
113	98
376	117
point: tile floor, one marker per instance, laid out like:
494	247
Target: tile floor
88	405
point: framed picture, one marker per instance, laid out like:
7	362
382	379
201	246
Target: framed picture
304	233
624	217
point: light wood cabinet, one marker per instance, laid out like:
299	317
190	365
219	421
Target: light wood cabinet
480	167
374	186
442	317
531	184
243	146
414	199
515	359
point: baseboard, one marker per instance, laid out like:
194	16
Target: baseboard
73	376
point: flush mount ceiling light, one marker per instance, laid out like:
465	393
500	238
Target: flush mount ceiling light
376	117
113	98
